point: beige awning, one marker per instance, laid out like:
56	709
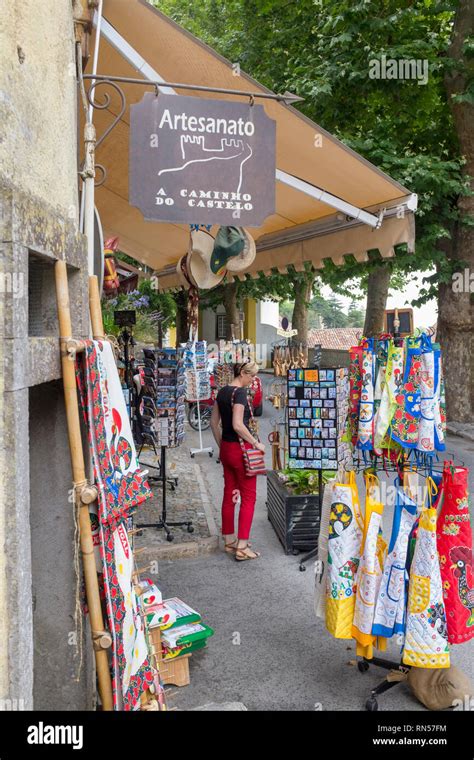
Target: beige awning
139	41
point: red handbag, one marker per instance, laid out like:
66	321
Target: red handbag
254	459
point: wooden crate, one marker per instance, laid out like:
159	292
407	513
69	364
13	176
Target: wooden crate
176	671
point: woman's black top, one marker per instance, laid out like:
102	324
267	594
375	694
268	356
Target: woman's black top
225	408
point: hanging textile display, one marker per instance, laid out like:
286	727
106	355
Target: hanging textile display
322	558
389	617
344	541
388	403
366	409
355	387
454	541
369	572
426	639
121	488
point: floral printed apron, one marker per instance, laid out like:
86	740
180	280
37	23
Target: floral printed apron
380	377
369	573
426	638
355	385
439	410
345	536
388	404
320	576
406	419
366	411
389	615
454	541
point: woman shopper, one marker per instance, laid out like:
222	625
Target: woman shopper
230	420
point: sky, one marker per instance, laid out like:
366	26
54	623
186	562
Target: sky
425	316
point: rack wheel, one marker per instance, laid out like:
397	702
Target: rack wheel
192	456
295	552
210	454
371	705
363	666
302	568
190	529
170	537
173	487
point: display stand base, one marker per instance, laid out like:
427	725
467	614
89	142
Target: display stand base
397	674
163	523
207	450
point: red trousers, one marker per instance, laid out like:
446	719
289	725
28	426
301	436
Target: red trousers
236	482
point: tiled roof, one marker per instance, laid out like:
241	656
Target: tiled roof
335	338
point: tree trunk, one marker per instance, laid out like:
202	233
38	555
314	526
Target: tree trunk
377	293
455	309
303	288
231	309
182	329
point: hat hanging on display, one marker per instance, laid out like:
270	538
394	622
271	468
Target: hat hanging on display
246	257
201	242
199	270
229	243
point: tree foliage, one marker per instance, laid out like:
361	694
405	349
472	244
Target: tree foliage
321	50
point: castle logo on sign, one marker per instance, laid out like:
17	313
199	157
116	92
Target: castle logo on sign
201	160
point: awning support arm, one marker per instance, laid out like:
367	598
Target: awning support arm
286	97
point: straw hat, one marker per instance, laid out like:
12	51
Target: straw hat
243	260
201	243
199	269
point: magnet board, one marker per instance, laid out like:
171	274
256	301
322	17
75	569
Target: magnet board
312	419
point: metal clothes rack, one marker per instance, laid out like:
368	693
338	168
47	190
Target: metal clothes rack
423	464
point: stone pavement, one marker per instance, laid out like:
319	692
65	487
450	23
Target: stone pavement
269	652
189	501
462	429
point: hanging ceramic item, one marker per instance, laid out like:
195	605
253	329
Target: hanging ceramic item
345	536
369	573
426	639
454	541
389	617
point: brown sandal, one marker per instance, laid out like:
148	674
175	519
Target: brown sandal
230	548
244	556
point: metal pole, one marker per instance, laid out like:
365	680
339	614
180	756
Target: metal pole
286	97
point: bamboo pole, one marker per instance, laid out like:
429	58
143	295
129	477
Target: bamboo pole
147	700
84	492
95	309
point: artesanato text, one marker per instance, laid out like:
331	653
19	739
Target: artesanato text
208	124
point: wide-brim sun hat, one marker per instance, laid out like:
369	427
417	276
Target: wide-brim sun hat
246	257
200	273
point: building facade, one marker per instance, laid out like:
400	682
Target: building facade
45	662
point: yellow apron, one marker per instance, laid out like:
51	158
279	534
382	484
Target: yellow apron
344	541
369	573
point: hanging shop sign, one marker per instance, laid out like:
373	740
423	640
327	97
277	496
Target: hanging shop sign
201	161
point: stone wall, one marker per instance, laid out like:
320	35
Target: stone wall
38	225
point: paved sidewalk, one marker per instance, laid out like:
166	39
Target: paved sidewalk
462	429
269	652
